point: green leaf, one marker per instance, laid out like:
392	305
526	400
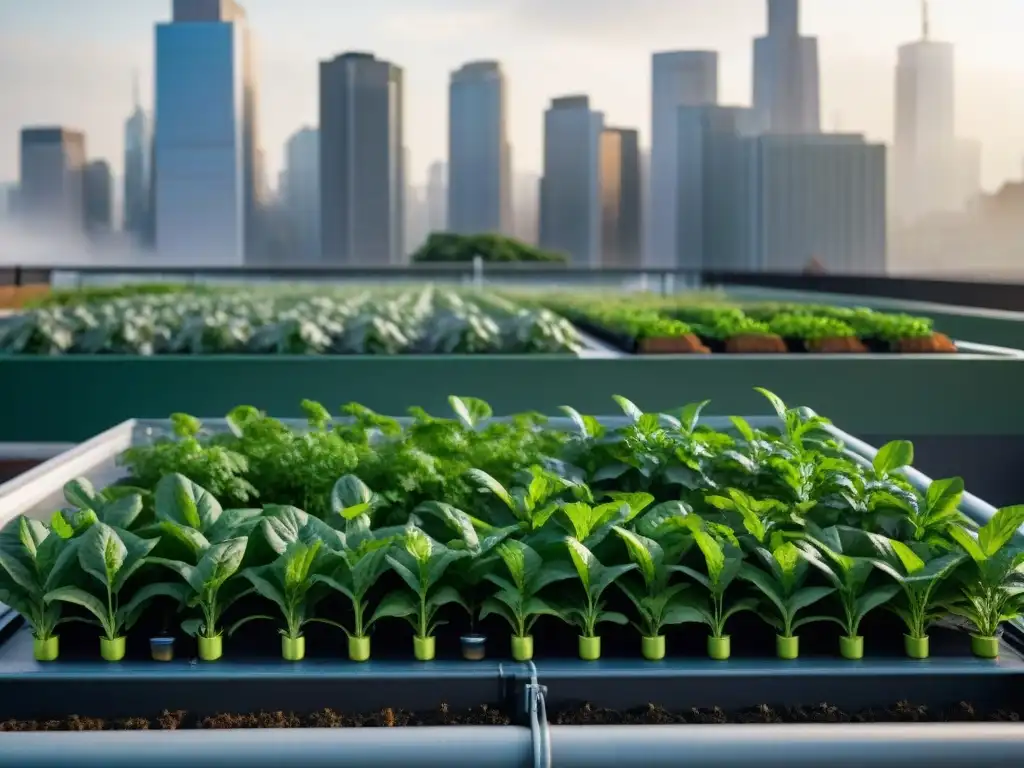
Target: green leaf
998	531
470	410
122	512
807	597
872	599
892	456
350	497
690	415
261	580
775	400
396	605
233	523
220	562
714	556
481	478
182	501
629	408
78	596
944	496
446	595
284	525
193	540
642	552
408	570
584	561
102	553
189	573
681	613
81	493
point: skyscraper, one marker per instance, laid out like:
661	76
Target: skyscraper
205	168
924	148
98	193
300	193
620	198
786	74
362	173
570	191
437	197
479	171
678	78
52	186
137	152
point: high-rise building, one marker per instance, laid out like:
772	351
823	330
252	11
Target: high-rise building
52	185
924	147
437	197
526	204
205	148
570	191
300	191
362	165
678	78
620	198
8	195
479	156
816	199
98	197
786	74
137	152
712	191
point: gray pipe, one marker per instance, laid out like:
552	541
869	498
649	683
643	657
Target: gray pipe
426	747
938	745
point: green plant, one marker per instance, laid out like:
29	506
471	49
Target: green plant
658	602
107	558
992	590
595	579
518	599
34	561
421	564
825	549
920	575
782	584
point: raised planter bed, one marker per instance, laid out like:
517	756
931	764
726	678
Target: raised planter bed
746	689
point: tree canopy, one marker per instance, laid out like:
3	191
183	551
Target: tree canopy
448	247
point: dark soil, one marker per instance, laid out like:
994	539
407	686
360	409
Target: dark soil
327	718
901	712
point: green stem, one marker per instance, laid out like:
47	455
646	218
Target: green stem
111	618
357	609
423	614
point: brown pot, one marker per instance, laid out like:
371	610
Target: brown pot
837	345
687	344
936	344
756	344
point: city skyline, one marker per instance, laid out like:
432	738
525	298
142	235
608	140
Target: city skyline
856	81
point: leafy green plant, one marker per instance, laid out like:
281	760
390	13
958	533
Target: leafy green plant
420	563
658	602
920	575
518	599
107	558
781	582
595	579
825	549
992	590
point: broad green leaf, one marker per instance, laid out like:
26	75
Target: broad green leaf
283	525
182	501
714	556
470	410
871	600
396	605
765	585
193	540
584	561
102	553
680	613
690	415
188	572
629	408
456	519
220	562
775	400
233	523
60	525
969	544
744	428
577	420
407	568
78	596
350	497
642	552
491	606
262	581
1003	526
892	456
807	596
613	617
637	502
944	496
122	512
81	493
446	595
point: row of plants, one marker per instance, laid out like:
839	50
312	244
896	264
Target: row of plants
289	321
689	323
660	522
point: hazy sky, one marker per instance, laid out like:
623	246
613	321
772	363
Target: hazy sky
70	62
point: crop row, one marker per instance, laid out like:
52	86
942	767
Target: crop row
658	523
425	321
686	323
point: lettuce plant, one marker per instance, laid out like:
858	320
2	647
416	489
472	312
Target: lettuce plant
421	564
782	585
107	558
825	549
595	579
590	525
518	599
658	602
992	589
920	575
117	506
530	505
